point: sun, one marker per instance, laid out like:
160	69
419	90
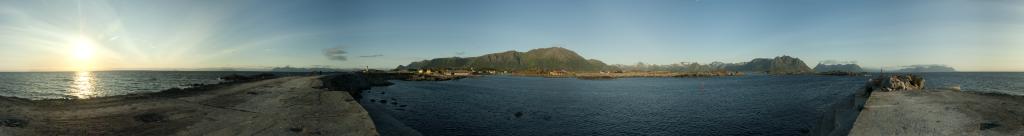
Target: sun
82	49
82	53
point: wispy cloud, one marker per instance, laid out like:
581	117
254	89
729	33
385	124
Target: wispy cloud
460	53
336	53
834	62
371	56
924	66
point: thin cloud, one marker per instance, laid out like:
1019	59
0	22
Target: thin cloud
924	66
335	53
834	62
371	56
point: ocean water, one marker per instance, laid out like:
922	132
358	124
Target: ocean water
60	85
747	105
997	82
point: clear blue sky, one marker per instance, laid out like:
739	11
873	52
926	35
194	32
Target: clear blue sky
982	35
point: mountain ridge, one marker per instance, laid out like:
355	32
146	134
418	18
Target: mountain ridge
541	59
558	58
781	65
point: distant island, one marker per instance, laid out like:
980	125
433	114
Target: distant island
926	68
298	69
837	68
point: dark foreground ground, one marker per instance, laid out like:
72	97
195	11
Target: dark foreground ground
940	112
279	106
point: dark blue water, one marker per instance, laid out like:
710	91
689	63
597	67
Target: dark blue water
749	105
60	85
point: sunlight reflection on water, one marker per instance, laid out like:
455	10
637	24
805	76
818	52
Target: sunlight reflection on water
83	86
93	84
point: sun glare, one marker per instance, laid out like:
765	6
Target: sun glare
82	49
82	52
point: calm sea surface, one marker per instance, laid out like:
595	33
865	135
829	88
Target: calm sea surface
748	105
998	82
58	85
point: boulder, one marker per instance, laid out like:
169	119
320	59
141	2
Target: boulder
896	83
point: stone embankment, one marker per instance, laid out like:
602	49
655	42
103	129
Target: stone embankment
901	105
839	119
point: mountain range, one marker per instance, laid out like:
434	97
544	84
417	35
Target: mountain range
782	65
557	58
927	68
543	59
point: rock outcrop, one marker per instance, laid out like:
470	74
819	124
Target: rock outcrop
896	83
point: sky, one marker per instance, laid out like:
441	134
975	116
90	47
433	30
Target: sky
68	35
